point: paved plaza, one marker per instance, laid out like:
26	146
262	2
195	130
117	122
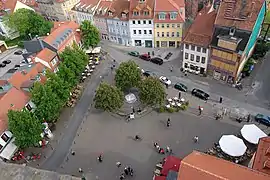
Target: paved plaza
103	133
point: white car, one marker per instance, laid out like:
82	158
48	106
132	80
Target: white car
165	80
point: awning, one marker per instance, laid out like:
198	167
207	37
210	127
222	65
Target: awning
96	50
232	145
171	163
252	133
160	178
9	150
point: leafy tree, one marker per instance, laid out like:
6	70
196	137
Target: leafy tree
47	101
90	34
28	22
108	97
151	91
128	75
25	127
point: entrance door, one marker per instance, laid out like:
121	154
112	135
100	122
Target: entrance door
120	41
202	70
157	44
148	43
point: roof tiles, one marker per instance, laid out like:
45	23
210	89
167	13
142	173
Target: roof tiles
46	55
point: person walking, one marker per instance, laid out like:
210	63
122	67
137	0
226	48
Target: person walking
168	122
179	95
220	100
168	149
196	139
171	69
100	158
80	170
200	110
118	164
122	176
248	117
126	171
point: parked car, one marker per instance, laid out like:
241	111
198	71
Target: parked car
145	57
165	80
149	74
157	60
200	94
6	61
19	52
180	87
2	65
263	119
134	53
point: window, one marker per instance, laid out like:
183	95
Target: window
186	65
162	34
162	25
168	34
157	34
124	15
199	49
173	25
203	60
168	25
146	13
133	22
144	31
192	57
150	31
186	55
197	58
178	34
150	22
157	25
187	46
178	25
172	34
204	50
54	61
139	22
28	107
144	21
193	47
134	31
161	16
173	15
140	31
135	13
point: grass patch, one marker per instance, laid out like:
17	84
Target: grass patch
17	41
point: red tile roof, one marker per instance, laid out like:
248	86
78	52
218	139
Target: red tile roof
14	99
229	13
200	32
103	6
58	32
86	4
169	5
118	7
262	156
200	166
141	6
46	55
30	3
9	4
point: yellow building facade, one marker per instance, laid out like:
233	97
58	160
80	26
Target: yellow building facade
168	35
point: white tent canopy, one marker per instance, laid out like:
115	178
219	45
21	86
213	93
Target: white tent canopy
232	145
252	133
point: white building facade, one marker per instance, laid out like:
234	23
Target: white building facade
195	58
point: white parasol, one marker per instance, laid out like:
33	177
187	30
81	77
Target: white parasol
252	133
232	145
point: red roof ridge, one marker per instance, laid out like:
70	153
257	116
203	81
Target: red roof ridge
174	4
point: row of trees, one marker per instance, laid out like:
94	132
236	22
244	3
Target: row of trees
49	98
128	75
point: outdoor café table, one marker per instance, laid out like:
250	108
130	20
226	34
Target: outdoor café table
173	103
178	104
159	166
182	100
85	70
88	74
167	106
157	172
91	70
93	67
91	63
175	98
170	100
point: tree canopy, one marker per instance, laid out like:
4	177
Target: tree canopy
25	127
151	91
90	34
108	97
28	22
128	75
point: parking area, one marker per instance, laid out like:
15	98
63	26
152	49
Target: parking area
9	55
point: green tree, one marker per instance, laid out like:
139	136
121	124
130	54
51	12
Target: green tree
128	75
152	92
47	101
25	127
28	22
108	97
90	34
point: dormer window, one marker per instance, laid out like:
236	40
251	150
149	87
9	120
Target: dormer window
135	13
124	15
232	31
110	13
141	1
161	16
173	15
146	13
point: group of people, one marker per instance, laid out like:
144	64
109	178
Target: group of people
128	171
161	150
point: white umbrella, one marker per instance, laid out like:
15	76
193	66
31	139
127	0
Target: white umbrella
252	133
232	145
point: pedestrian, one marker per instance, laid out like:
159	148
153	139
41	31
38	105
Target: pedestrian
133	110
161	151
73	153
137	137
126	171
80	170
131	172
122	177
167	86
155	144
248	117
168	149
100	158
196	139
168	122
179	95
220	100
171	68
118	164
200	110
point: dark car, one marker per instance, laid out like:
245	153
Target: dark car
2	65
19	52
200	94
145	57
134	53
149	74
7	62
263	119
180	87
157	60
